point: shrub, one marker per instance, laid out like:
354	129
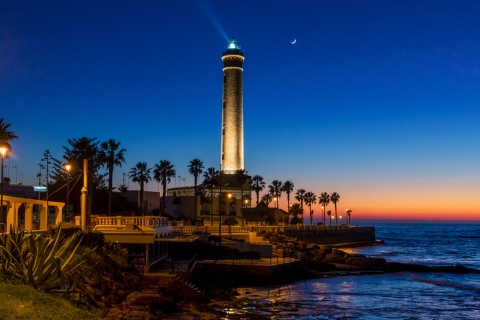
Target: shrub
43	262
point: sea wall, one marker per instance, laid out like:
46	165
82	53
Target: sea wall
324	235
231	275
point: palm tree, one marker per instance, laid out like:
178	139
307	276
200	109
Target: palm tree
299	196
267	198
257	185
141	174
195	168
288	188
275	190
111	156
310	198
211	176
295	210
241	176
329	213
324	199
349	214
162	173
335	197
6	135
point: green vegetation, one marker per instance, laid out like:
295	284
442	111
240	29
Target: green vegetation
43	262
24	302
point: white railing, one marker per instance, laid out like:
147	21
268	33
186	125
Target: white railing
124	220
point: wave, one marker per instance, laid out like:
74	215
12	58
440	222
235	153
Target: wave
445	284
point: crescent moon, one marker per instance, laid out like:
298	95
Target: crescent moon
294	41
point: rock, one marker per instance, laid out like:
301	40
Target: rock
333	258
368	263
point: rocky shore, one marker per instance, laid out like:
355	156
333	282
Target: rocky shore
118	291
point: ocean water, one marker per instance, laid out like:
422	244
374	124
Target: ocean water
405	295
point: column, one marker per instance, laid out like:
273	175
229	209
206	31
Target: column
28	217
58	213
11	215
43	217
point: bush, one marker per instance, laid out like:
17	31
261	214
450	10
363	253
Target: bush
230	221
44	262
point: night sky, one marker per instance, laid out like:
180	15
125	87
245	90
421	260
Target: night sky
376	100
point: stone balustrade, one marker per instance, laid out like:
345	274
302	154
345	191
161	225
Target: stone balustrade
144	221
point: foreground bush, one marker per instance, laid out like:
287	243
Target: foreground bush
43	262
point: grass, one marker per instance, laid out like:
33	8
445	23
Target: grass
25	302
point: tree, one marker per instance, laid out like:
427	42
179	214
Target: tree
140	174
111	156
299	196
210	181
324	199
256	185
6	135
241	176
275	190
80	149
335	197
267	198
329	213
195	168
288	188
162	173
296	210
310	198
349	212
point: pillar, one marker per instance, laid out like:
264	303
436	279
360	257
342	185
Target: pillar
11	215
58	214
28	217
43	217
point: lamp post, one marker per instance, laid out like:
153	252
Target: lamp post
68	167
4	149
229	199
340	220
243	211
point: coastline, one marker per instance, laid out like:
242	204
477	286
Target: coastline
333	264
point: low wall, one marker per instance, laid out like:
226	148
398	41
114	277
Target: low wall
333	236
264	249
227	275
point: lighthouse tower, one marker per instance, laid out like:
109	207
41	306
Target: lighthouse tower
232	109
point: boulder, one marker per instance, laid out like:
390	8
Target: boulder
367	263
333	258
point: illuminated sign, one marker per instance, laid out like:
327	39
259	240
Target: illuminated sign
40	189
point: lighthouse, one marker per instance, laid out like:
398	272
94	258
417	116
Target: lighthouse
232	157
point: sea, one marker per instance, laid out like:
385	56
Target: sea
404	295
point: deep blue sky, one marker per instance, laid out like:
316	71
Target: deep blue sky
377	100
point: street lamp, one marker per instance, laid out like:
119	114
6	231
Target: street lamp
229	199
4	149
340	220
243	211
68	167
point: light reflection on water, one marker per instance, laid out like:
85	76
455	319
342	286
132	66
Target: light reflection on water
391	296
